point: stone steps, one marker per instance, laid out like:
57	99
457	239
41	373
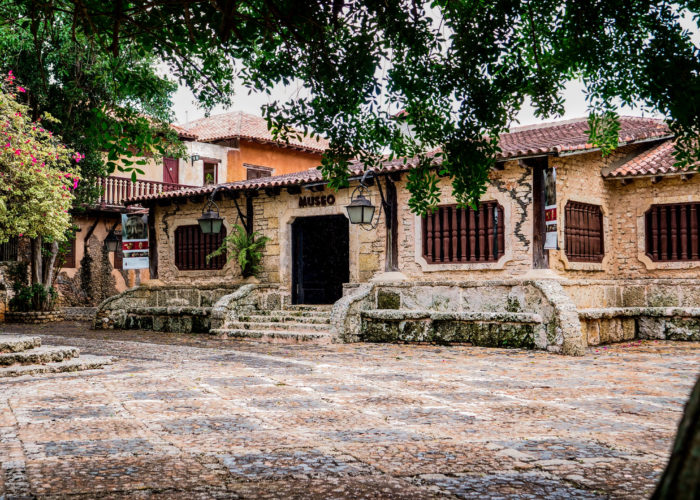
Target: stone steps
24	355
85	362
291	313
277	326
275	336
282	318
38	355
17	343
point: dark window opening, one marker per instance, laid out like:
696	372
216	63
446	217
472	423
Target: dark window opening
69	256
119	255
452	234
672	232
583	232
210	173
257	172
9	250
192	247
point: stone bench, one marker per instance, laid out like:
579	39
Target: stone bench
616	324
488	329
175	319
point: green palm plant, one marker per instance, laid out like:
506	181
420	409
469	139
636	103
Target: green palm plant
245	248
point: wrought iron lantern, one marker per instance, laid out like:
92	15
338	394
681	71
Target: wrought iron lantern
360	210
111	242
210	222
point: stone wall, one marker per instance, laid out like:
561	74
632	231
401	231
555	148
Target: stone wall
172	308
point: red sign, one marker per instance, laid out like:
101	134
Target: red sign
550	214
134	245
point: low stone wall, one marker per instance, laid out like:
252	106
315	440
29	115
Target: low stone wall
596	294
498	312
79	313
487	329
33	317
601	326
168	308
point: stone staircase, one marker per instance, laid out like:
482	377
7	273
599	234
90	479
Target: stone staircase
294	324
24	355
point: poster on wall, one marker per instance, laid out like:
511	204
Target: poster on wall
550	208
135	241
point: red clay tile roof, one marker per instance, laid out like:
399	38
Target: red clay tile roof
182	133
241	125
548	138
658	160
572	136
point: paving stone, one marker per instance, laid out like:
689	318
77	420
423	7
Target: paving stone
192	417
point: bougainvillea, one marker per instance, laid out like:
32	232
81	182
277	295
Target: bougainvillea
38	174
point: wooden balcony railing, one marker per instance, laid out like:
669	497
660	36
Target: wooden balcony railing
117	189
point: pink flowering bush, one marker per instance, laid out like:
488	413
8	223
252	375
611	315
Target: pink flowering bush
38	174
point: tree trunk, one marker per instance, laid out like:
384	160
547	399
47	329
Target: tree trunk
49	268
681	479
37	261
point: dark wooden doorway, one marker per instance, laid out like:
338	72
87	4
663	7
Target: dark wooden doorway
540	256
320	259
171	173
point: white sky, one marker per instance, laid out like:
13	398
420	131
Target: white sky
575	105
186	109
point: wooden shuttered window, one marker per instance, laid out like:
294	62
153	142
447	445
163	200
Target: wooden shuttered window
192	247
672	232
119	256
453	235
583	232
69	257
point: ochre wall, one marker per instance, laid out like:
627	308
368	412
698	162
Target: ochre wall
122	278
282	160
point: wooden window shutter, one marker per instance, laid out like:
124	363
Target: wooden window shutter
583	232
672	233
452	234
69	257
192	247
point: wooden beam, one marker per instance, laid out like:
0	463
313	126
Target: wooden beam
686	177
273	191
625	181
656	179
294	189
316	188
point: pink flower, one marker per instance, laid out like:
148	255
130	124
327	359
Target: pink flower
75	184
18	151
20	89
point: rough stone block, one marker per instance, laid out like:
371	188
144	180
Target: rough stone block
387	299
683	329
651	328
634	296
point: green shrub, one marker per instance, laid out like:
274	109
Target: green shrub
246	249
34	298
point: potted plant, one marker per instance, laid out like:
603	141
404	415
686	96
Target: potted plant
246	249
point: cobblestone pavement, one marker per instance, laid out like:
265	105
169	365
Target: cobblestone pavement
184	416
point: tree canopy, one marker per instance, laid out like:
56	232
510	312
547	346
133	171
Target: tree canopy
461	70
38	174
114	109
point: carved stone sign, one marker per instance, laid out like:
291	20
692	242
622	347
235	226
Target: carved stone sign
316	201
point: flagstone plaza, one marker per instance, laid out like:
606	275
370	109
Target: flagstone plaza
186	416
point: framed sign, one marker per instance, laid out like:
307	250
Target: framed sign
135	241
550	208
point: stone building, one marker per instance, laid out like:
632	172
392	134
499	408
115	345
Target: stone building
228	147
567	249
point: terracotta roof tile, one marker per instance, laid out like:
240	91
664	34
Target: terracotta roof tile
658	160
572	136
245	126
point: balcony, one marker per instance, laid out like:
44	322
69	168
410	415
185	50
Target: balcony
117	189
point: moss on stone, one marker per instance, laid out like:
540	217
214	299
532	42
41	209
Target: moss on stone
387	299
